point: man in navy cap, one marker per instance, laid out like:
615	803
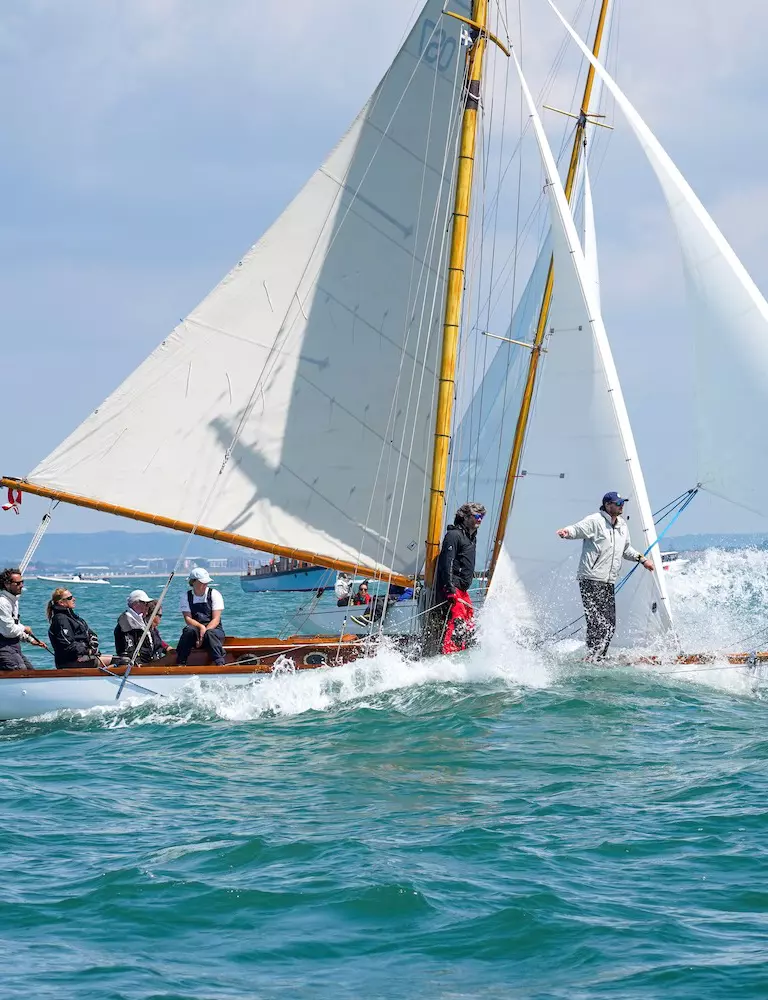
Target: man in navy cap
605	542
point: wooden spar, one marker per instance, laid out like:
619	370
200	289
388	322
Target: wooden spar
314	558
455	288
523	418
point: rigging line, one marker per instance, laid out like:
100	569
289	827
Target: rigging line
429	337
272	358
411	304
450	155
38	536
624	580
450	140
476	257
493	257
514	281
545	89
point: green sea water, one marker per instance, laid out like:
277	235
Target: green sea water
494	825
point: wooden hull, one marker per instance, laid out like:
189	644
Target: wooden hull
28	693
745	659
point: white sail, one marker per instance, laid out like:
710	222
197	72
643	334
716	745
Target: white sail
579	446
484	435
730	330
590	238
316	354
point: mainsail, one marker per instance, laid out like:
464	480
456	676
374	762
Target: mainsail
730	329
579	445
312	364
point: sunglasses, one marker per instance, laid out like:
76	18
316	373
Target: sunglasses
71	597
16	583
479	517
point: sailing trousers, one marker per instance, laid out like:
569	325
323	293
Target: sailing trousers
599	600
212	642
12	658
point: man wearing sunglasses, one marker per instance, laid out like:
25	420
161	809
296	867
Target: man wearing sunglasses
605	543
12	632
455	572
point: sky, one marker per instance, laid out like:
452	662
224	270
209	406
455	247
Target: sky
148	143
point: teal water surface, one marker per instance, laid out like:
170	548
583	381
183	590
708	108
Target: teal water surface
493	826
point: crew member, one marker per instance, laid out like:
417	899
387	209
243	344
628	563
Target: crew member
12	632
155	615
605	542
201	607
130	628
455	572
74	643
343	590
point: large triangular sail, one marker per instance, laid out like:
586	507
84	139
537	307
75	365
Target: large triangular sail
313	362
730	329
579	445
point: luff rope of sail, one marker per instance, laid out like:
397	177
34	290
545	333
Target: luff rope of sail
229	537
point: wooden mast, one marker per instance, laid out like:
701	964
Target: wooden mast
455	289
513	469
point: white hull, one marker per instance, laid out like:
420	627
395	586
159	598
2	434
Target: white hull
70	580
26	697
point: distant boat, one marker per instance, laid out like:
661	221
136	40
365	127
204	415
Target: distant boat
73	578
672	562
285	575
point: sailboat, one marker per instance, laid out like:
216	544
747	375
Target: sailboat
315	388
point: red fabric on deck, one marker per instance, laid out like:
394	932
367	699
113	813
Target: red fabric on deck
460	627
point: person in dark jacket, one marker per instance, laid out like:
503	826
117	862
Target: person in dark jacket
130	628
74	643
455	572
155	614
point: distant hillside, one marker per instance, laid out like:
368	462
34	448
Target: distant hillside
113	547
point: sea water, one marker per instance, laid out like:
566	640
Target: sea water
498	824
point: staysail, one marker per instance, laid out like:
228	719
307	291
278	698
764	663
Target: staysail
730	329
484	433
579	446
313	362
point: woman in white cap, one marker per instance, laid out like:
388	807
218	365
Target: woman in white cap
201	607
130	627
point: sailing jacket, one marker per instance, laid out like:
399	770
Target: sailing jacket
128	635
70	637
456	565
604	546
11	630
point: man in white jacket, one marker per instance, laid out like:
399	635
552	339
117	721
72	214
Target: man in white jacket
605	542
12	632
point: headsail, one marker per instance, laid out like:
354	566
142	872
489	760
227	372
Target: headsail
730	330
315	355
484	434
579	445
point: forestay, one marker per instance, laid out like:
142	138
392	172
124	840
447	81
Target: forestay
579	446
485	432
730	330
315	355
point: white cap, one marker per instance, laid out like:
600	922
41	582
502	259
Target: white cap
201	575
138	595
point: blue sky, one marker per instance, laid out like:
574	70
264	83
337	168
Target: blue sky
148	144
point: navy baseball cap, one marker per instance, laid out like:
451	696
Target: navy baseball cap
614	498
